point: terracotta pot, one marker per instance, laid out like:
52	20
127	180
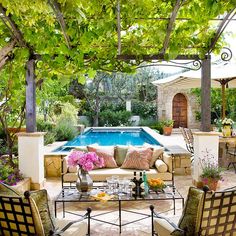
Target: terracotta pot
211	183
167	130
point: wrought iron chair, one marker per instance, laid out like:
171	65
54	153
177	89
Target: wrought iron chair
188	138
231	151
205	213
30	214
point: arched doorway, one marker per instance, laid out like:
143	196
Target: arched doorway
179	110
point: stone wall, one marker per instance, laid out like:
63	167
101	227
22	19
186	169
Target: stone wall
165	97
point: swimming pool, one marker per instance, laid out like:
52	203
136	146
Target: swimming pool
109	137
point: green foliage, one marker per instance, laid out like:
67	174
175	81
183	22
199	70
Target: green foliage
111	118
8	174
49	128
143	109
158	126
65	130
216	103
167	123
147	122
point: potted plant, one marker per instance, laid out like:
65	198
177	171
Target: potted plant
167	127
211	172
227	127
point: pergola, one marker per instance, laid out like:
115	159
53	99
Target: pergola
79	36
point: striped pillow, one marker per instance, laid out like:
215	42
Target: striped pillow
137	158
107	153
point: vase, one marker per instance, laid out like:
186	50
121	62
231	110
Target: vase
227	130
211	183
84	183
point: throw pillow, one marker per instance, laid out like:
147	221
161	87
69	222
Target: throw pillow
137	158
157	154
161	166
120	154
107	153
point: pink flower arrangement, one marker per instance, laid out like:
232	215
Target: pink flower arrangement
87	161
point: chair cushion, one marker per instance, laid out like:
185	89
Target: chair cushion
107	153
157	154
44	206
192	208
161	166
76	229
6	190
137	158
120	154
163	228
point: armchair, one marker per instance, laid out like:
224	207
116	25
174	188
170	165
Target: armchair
30	214
205	213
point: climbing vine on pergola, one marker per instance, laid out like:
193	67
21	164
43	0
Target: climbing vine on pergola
77	37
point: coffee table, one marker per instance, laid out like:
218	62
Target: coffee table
71	194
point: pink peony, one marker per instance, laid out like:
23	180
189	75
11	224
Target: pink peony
86	161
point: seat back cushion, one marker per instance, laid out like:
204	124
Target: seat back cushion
120	154
192	209
107	153
137	158
43	203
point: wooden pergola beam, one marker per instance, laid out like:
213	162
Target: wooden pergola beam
126	57
221	28
57	10
7	49
171	25
15	31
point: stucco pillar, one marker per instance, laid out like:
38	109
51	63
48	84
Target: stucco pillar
206	146
31	157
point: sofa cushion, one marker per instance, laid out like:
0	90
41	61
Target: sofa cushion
161	166
137	158
120	154
107	153
157	154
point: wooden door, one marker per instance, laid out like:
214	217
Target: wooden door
179	110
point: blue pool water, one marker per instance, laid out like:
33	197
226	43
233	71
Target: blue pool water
136	137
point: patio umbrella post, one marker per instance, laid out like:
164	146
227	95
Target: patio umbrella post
223	99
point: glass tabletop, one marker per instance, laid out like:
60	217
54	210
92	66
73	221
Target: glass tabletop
71	194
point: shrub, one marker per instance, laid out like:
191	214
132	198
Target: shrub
49	128
111	118
65	130
143	109
158	126
147	122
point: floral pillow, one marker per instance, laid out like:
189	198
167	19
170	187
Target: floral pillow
137	158
107	153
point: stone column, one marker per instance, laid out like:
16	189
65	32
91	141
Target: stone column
31	157
206	145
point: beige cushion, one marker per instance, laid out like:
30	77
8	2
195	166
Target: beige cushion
168	160
161	166
73	169
77	229
157	154
162	227
70	177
